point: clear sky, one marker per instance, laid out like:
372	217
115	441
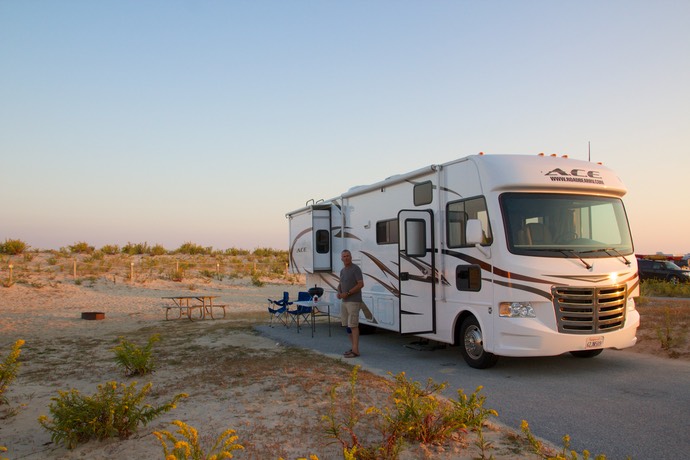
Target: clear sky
206	121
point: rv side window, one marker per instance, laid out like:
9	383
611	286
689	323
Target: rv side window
322	242
423	193
415	238
457	214
387	232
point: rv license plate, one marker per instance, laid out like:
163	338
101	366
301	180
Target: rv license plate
595	342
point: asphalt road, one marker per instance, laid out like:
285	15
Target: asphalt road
620	404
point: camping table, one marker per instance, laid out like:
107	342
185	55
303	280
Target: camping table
201	301
320	308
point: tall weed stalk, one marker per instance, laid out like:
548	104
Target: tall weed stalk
9	368
188	446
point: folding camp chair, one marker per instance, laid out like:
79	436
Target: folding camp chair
302	312
277	310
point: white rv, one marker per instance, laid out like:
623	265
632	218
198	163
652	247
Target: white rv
503	255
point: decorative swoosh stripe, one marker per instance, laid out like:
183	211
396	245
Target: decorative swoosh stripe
587	278
331	284
522	287
380	264
425	268
388	286
292	247
420	265
347	234
469	259
512	277
441	188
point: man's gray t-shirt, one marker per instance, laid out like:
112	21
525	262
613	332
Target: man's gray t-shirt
349	276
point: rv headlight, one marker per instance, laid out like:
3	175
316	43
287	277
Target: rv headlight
516	310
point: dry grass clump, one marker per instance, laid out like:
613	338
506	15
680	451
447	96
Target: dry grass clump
664	327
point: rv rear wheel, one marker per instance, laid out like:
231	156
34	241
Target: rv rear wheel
472	345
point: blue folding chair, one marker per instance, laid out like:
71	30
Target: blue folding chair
277	310
301	312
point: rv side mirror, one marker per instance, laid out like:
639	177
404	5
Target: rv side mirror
474	232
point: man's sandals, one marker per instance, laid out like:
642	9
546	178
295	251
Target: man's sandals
350	354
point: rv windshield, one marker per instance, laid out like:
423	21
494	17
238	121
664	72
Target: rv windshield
554	225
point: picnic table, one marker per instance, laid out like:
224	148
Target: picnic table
193	306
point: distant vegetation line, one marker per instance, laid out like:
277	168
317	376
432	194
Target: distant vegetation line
139	263
17	247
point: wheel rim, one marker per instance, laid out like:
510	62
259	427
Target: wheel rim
473	342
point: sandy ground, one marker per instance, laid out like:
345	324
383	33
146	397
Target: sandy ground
272	396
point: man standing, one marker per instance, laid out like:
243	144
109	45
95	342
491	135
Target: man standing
350	292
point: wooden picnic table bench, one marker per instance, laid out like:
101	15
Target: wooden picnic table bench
181	303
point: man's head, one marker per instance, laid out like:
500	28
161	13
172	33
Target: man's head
346	257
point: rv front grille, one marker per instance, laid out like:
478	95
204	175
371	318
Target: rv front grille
589	310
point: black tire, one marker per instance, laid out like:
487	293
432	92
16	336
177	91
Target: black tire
674	280
471	343
586	353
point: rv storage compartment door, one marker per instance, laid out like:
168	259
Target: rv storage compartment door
417	270
321	228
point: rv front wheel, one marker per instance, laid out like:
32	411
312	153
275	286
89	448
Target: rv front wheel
472	345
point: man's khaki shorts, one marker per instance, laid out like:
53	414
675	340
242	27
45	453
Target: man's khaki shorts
349	313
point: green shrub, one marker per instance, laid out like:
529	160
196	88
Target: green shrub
268	252
158	250
193	249
81	248
13	247
9	368
256	280
95	256
655	288
114	411
208	274
177	274
236	252
136	360
412	414
110	249
136	249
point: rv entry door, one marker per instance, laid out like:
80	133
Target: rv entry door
321	227
417	272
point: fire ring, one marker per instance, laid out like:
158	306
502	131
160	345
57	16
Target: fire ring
92	315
